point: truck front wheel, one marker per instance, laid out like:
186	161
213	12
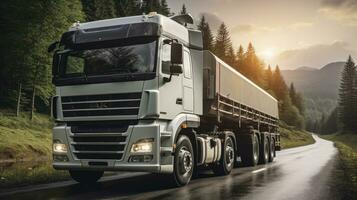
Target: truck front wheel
183	161
86	177
226	163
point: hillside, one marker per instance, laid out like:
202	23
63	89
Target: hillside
322	83
319	87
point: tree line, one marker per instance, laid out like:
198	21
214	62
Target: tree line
344	116
28	28
291	102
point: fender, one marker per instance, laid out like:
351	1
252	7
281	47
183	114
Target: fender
175	126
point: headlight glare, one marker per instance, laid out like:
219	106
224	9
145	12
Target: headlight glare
142	146
59	148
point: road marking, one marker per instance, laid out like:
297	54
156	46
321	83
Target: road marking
258	170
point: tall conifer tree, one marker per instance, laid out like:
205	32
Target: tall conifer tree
223	42
207	35
347	96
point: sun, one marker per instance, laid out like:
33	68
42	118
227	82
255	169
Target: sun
268	54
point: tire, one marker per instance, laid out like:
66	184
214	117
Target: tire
271	150
226	163
250	150
264	151
86	177
183	161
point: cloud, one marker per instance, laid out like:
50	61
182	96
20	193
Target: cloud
314	56
344	11
299	25
249	28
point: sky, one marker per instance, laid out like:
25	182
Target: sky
290	33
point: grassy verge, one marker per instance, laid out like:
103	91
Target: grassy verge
21	138
346	174
30	141
290	137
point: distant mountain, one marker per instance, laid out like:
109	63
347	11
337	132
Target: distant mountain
306	69
316	83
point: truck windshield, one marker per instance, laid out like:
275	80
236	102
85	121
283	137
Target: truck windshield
121	59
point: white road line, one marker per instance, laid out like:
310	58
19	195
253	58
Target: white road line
259	170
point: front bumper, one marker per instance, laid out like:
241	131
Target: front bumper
134	133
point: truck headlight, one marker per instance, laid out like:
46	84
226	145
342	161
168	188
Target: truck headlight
59	147
142	146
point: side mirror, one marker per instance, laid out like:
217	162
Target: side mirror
52	46
176	69
55	64
176	54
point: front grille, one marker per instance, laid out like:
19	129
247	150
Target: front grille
101	105
104	140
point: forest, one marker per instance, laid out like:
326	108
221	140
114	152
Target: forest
344	117
25	67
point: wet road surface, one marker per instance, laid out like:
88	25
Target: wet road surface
298	173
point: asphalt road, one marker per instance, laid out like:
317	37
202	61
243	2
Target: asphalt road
298	173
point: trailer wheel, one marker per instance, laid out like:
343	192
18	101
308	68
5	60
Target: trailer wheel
250	151
86	177
272	150
183	161
264	151
226	163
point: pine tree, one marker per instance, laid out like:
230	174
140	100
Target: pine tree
268	76
347	96
279	86
240	59
296	98
207	36
164	8
158	6
252	67
223	42
127	8
231	57
183	10
330	125
99	9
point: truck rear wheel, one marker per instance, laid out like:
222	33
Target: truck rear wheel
86	177
250	149
272	150
264	151
226	163
183	161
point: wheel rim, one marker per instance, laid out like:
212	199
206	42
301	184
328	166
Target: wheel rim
185	161
229	153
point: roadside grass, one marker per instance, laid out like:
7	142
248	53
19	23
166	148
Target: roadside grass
28	173
25	150
291	137
346	174
23	139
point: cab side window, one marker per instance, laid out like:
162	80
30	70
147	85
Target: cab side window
166	59
187	64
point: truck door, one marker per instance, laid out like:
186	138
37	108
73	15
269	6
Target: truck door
187	82
171	97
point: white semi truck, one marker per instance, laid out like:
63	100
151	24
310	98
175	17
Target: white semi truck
140	94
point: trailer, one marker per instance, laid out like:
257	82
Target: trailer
140	94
